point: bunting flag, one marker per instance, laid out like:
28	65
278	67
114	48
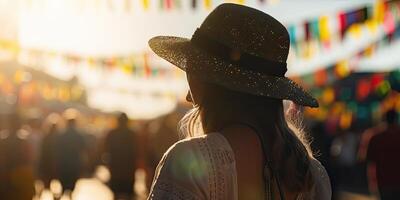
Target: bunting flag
389	23
324	31
379	11
342	24
307	41
342	69
355	31
146	4
208	4
315	43
162	4
317	32
147	69
293	39
241	2
168	4
178	4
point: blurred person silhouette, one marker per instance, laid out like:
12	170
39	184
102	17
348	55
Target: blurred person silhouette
343	151
16	167
120	146
48	150
382	156
71	154
33	126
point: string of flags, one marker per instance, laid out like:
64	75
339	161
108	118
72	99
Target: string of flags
348	98
141	65
128	5
345	67
319	34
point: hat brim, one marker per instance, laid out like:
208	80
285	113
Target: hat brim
183	54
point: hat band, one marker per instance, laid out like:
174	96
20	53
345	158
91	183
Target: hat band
245	60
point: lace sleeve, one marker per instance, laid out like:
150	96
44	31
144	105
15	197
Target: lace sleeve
180	175
322	187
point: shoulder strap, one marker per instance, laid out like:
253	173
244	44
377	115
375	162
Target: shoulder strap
269	172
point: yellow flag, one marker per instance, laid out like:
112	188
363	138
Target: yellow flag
127	68
372	26
207	4
240	1
379	11
146	4
342	69
355	30
324	29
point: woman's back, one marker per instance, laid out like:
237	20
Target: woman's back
207	167
249	163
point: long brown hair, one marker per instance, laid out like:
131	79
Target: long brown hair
290	151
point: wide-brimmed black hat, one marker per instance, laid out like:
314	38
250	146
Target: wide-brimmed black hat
240	48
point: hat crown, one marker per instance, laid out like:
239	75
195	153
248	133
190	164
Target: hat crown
248	30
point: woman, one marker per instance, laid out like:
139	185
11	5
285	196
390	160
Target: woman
239	144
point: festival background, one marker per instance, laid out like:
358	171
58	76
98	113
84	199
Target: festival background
92	55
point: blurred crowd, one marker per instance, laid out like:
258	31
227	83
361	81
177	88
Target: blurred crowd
363	159
61	147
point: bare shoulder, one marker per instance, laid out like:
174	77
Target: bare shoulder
187	154
322	187
185	145
182	172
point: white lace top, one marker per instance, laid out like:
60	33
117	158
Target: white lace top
204	168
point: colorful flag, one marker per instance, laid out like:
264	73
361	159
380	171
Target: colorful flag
241	1
324	30
147	70
177	4
162	6
342	24
146	4
207	4
379	10
315	29
168	4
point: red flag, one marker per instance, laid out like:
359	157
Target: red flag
168	4
342	24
